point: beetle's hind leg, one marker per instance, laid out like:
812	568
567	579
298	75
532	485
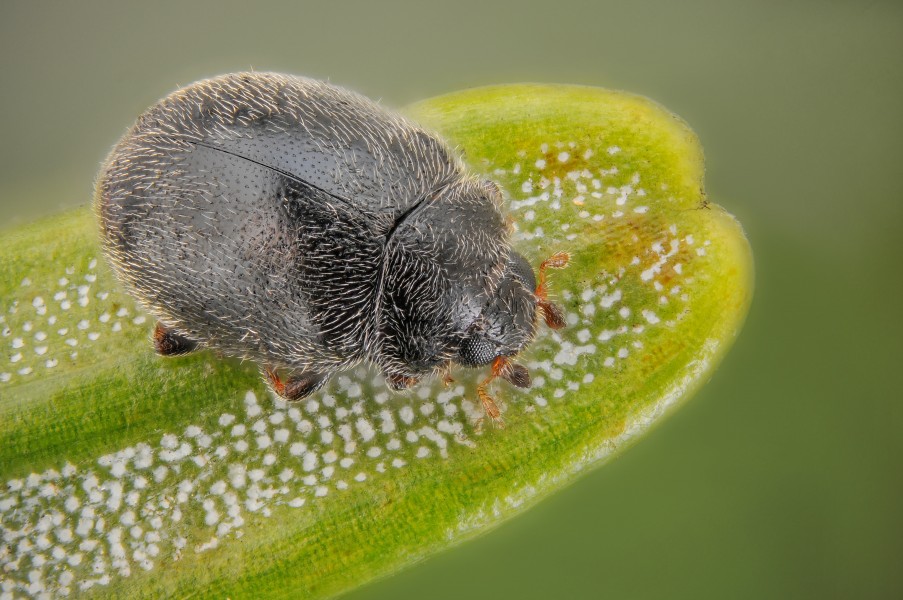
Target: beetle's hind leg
169	343
296	387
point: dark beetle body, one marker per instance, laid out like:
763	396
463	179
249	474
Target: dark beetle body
301	226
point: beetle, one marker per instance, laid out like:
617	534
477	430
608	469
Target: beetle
302	226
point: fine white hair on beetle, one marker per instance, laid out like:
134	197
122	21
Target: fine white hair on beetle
359	192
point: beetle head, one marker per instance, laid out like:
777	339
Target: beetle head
508	320
454	291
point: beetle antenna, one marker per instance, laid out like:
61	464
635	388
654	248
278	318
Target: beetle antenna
492	410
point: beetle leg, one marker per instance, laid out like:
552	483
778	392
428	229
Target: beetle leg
401	382
551	312
274	381
168	343
447	378
297	387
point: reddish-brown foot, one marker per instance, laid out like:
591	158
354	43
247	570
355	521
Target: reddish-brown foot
297	387
169	343
401	382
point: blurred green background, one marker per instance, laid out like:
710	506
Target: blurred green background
784	477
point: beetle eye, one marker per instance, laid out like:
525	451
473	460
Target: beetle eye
476	351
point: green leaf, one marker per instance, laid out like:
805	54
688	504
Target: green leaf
131	475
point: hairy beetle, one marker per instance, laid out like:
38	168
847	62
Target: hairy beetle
296	224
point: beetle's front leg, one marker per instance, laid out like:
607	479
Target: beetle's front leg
297	387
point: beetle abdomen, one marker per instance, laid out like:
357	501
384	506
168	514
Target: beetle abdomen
250	212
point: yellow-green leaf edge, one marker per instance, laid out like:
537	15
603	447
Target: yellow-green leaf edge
115	394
